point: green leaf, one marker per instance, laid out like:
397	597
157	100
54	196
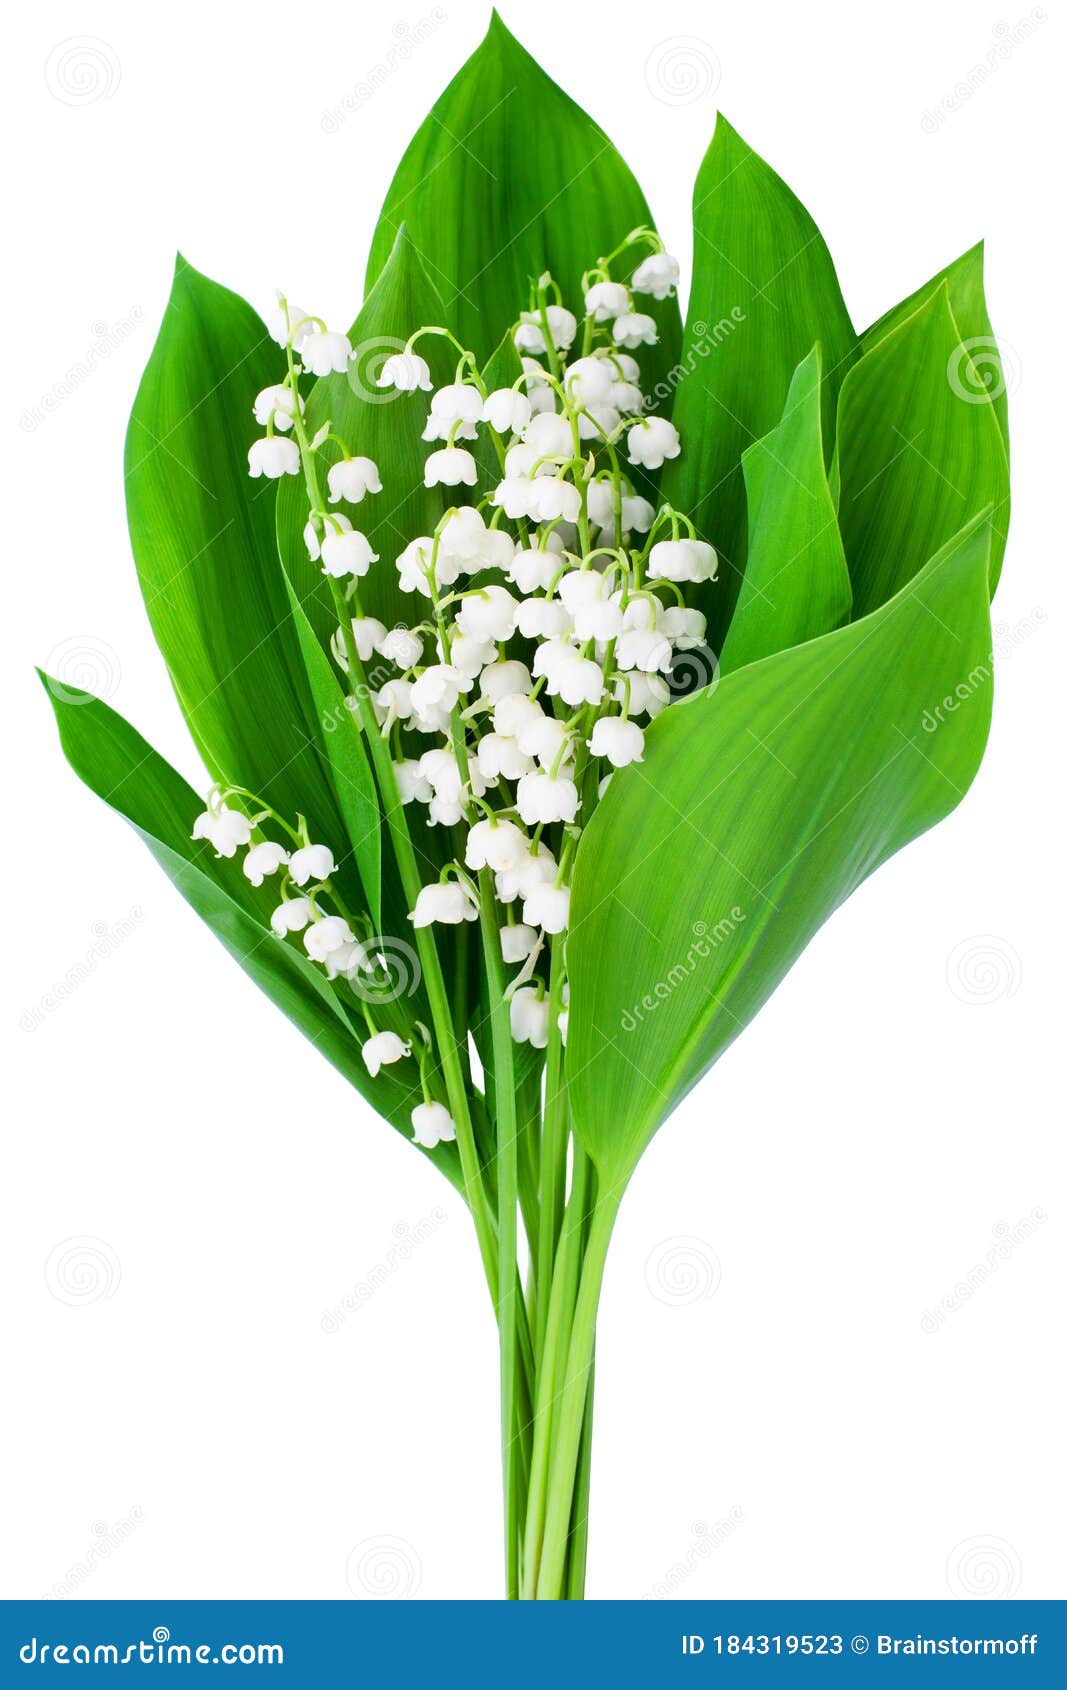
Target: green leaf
796	584
920	452
203	538
374	423
121	768
760	806
353	780
965	282
764	291
506	178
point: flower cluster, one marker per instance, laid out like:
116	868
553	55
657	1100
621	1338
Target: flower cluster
548	609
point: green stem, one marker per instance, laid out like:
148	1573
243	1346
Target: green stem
574	1391
578	1544
553	1145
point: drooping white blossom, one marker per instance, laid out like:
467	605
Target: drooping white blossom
274	457
432	1125
224	828
658	275
383	1048
311	862
263	859
652	441
448	902
407	372
323	352
352	479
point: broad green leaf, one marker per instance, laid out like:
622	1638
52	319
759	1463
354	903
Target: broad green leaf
764	291
966	296
121	768
506	178
761	805
374	423
919	453
796	583
353	780
203	538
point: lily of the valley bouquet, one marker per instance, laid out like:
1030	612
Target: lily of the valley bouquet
557	673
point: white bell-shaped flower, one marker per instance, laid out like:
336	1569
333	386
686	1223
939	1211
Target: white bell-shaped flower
452	466
496	845
347	553
617	739
400	646
542	797
292	916
543	739
600	504
682	560
547	435
392	703
448	902
550	499
507	410
684	628
644	648
515	711
650	442
444	812
263	859
326	935
498	755
383	1048
437	691
627	397
600	423
533	570
224	828
529	1017
517	941
658	275
634	328
637	515
311	862
540	394
280	321
547	906
352	479
346	961
412	783
498	680
648	694
440	767
275	402
367	633
605	300
513	495
324	353
488	614
432	1125
413	564
458	402
470	656
562	326
595	615
535	869
313	539
407	372
274	457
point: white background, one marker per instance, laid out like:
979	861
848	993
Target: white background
849	1161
